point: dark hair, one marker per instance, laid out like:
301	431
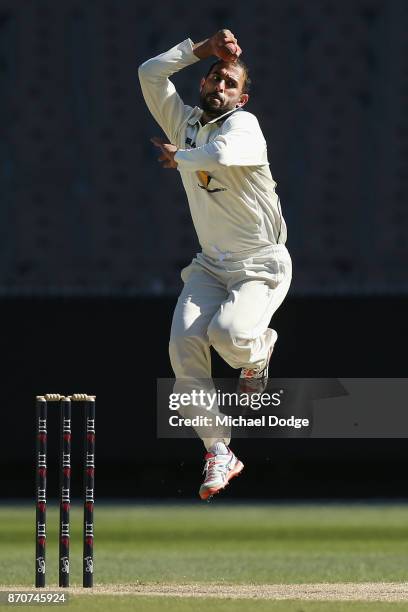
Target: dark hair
247	81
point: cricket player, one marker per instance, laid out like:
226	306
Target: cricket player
243	272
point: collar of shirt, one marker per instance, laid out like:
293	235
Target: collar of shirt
198	112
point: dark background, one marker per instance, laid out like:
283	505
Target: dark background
93	233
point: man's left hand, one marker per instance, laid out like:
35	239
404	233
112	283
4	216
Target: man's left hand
167	154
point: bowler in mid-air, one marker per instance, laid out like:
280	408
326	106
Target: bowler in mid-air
235	284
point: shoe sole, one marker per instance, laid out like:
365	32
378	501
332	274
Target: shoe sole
207	492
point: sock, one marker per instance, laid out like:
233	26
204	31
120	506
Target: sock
218	448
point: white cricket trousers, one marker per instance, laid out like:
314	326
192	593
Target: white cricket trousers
226	304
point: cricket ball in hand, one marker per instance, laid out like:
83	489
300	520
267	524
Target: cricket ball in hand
229	52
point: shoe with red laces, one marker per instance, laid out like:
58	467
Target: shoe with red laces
218	470
254	380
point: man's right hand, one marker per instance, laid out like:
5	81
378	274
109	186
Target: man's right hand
216	45
219	43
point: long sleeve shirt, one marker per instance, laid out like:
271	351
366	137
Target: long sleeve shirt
223	164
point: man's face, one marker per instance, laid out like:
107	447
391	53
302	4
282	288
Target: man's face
221	91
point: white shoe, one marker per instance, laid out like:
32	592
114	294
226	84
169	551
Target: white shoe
218	470
259	375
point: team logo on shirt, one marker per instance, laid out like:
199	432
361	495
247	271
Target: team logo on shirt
203	176
205	179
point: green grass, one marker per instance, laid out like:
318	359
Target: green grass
172	604
124	603
220	543
161	604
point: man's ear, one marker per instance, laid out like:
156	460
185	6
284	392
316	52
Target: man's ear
242	100
202	83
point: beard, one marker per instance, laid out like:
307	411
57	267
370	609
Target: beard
214	106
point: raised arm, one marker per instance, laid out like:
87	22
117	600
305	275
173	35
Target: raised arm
159	92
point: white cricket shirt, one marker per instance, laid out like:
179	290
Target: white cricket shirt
223	164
